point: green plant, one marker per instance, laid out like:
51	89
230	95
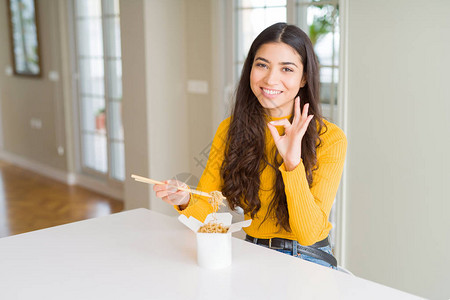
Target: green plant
324	24
100	111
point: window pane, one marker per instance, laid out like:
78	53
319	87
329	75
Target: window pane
91	76
325	74
111	7
328	84
94	152
24	36
88	8
260	3
321	21
324	49
93	114
325	84
117	161
336	75
112	30
90	37
115	120
252	22
115	78
274	15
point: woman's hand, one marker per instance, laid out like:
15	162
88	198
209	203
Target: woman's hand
290	144
170	194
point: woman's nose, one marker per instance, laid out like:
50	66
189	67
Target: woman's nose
271	77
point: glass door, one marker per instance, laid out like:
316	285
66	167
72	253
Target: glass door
99	64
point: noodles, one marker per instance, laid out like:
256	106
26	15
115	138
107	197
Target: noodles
213	226
216	200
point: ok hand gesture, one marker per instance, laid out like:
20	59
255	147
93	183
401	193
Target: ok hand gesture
290	144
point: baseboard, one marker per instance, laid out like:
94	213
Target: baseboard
98	186
62	176
37	167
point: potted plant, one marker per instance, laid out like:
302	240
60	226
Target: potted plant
100	120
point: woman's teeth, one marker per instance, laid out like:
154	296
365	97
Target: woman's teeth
271	92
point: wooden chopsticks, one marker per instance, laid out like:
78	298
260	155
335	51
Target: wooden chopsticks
152	181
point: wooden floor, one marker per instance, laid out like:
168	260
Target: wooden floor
29	202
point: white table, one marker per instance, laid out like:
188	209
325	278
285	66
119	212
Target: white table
140	254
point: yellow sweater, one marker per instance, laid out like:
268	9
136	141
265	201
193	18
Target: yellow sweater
309	208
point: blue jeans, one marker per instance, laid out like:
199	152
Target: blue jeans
318	261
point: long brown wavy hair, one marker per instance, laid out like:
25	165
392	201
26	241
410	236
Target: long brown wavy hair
245	156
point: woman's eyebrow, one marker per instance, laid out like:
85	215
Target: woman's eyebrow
288	63
263	59
281	63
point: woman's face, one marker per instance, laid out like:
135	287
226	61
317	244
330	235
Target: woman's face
276	77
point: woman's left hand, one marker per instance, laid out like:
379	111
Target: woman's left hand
290	144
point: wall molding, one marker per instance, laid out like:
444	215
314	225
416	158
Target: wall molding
95	185
68	178
342	117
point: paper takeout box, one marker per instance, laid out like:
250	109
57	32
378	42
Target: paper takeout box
214	249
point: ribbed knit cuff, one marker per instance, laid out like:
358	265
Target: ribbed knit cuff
294	180
177	207
198	208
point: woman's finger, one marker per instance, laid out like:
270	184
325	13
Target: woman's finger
306	124
302	119
164	193
177	183
159	187
296	110
169	200
305	111
177	198
164	187
283	122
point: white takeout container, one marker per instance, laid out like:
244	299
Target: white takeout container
214	249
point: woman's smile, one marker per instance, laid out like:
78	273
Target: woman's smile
270	93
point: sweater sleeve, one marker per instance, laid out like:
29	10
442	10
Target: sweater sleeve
199	207
309	207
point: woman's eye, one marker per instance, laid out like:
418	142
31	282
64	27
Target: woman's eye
287	70
261	65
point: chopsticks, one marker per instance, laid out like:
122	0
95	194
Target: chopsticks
152	181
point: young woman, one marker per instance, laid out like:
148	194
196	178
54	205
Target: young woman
276	157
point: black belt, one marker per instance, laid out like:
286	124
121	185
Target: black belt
284	244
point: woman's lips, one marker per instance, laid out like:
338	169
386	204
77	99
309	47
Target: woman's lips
269	93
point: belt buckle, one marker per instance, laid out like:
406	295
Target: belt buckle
275	248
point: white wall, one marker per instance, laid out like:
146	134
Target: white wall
155	106
135	102
26	98
165	82
398	174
